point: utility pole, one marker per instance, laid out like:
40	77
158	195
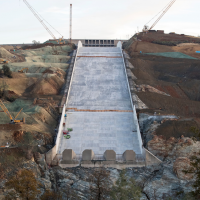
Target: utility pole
70	28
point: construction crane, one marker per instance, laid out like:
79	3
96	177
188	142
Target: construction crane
22	70
70	25
146	27
12	119
41	21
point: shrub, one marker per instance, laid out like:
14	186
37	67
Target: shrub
7	71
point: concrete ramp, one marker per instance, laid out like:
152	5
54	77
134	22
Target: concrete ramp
99	108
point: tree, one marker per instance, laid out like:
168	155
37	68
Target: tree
101	184
51	195
125	188
25	185
3	88
195	167
7	71
27	144
66	194
70	194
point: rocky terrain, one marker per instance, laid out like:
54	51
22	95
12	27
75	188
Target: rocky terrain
169	89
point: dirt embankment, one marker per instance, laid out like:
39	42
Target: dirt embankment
36	90
180	78
10	57
167	39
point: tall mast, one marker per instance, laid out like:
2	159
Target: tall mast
70	28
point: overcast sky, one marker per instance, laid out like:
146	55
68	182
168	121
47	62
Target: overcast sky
94	19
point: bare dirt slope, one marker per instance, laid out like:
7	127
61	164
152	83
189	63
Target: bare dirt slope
36	91
180	78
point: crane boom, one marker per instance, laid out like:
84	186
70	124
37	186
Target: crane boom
146	27
5	110
164	12
40	20
18	114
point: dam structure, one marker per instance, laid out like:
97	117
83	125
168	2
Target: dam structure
100	111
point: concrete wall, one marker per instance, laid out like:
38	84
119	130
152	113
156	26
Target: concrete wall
59	135
151	159
135	121
98	42
50	155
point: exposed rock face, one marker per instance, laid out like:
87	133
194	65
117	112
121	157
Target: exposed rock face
159	181
182	163
173	148
149	123
148	88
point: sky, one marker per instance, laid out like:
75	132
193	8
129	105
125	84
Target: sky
94	19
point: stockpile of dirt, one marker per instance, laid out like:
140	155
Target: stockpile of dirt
18	135
6	55
47	86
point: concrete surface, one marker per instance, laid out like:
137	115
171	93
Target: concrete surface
110	155
99	84
88	155
68	154
129	155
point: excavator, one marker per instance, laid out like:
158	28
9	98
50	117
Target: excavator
22	70
12	119
59	41
2	61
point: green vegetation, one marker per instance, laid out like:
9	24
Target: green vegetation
125	188
6	71
172	55
170	43
195	168
3	88
24	184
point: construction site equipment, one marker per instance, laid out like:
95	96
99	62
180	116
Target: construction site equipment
70	25
146	27
67	137
22	70
12	119
42	21
2	61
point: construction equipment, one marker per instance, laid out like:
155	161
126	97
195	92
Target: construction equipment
42	21
2	61
12	119
60	41
146	27
22	70
70	25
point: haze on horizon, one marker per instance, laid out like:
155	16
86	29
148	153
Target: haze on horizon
94	19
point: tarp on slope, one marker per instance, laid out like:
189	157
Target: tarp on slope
172	55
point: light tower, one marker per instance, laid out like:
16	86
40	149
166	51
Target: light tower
70	26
